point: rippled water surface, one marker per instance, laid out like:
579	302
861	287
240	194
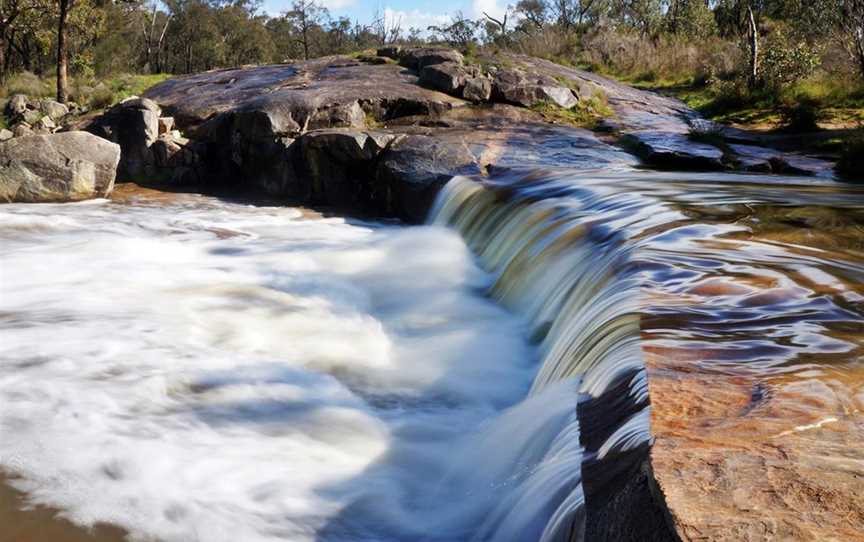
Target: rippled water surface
194	368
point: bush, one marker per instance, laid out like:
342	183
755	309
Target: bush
637	58
800	114
851	163
30	84
784	62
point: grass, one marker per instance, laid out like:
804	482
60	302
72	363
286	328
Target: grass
822	99
95	93
586	114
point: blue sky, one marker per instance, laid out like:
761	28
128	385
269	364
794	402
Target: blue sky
416	13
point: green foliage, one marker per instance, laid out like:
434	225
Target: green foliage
586	114
784	61
800	114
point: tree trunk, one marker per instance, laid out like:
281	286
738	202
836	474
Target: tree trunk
3	58
753	76
62	52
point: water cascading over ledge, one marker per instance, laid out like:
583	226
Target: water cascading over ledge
555	261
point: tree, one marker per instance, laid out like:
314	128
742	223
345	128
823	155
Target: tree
461	32
535	12
306	15
152	43
753	40
852	28
65	7
387	30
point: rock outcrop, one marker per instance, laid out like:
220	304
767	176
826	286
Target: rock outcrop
258	128
68	166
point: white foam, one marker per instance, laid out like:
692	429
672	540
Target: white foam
214	371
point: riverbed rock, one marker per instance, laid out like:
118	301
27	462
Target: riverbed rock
67	166
340	164
669	150
415	167
6	134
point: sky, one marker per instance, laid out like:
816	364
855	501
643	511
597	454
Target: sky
412	13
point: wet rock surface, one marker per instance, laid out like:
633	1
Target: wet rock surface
69	166
671	150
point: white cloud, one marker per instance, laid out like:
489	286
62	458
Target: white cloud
492	7
414	19
337	4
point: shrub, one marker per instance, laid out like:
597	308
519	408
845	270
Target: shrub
30	84
100	97
800	113
784	63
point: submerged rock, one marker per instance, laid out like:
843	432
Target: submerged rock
68	166
671	150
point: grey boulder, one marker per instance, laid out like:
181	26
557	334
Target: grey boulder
68	166
53	109
449	77
517	88
134	125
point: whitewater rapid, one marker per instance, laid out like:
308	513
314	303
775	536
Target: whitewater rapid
205	370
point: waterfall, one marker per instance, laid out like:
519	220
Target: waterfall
555	262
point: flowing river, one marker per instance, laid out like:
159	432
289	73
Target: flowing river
190	368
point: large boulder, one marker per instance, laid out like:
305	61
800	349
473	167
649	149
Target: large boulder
134	125
414	167
417	59
527	90
68	166
339	165
449	77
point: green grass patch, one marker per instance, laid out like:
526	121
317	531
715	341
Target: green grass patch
95	93
586	114
798	107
